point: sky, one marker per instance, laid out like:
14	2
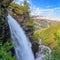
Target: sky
46	8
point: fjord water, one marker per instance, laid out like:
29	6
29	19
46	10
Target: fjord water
21	43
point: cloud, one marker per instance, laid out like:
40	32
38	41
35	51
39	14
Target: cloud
53	14
36	11
19	1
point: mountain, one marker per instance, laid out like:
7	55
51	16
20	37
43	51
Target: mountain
42	22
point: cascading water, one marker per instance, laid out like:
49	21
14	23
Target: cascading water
44	53
22	44
20	41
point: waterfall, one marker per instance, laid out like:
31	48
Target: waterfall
44	53
21	43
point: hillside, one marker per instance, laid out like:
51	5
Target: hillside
20	33
50	36
41	22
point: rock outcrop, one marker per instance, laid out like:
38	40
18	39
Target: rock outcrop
19	13
4	27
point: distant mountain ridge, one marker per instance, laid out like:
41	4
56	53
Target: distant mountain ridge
43	17
42	22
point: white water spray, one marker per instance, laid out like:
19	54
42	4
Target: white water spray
44	53
20	41
22	44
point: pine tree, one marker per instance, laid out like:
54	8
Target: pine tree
26	10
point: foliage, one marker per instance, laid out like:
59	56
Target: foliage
56	54
51	37
22	13
5	54
30	22
26	10
26	6
6	3
17	9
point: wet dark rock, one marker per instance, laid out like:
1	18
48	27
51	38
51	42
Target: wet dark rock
35	48
27	25
4	27
4	31
12	51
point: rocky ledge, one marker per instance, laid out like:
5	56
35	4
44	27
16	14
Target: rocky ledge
4	27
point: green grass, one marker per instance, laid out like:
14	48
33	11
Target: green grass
5	54
50	36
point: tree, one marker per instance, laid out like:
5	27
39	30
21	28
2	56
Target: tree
26	10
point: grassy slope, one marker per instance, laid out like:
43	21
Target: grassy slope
50	36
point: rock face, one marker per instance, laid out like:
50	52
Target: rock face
24	19
4	27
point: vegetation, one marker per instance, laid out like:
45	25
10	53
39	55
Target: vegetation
56	54
5	53
21	13
51	37
20	10
17	9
